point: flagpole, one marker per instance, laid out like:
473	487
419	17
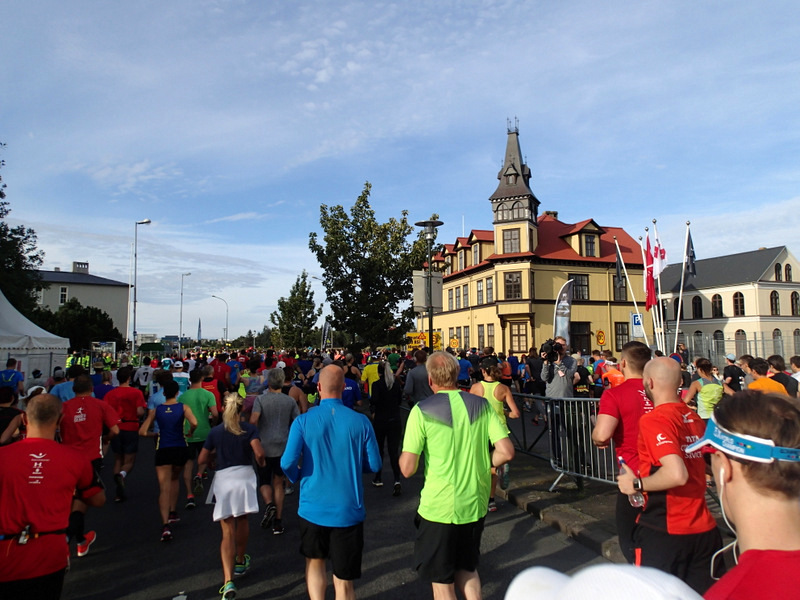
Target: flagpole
630	285
656	320
680	294
658	295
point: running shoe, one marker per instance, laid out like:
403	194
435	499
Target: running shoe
197	485
492	506
190	503
119	480
240	568
269	516
173	517
228	590
278	529
289	490
88	540
166	533
504	476
377	482
398	489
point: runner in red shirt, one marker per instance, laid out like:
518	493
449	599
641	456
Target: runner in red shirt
38	478
618	419
129	404
82	429
675	532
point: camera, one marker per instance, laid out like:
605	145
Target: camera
552	350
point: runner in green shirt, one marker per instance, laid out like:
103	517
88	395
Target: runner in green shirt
203	403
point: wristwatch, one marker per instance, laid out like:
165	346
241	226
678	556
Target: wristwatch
637	485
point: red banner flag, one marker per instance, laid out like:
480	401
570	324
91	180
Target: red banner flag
649	280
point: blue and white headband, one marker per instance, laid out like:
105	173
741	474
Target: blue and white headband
742	445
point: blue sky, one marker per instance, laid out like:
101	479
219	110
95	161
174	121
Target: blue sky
228	122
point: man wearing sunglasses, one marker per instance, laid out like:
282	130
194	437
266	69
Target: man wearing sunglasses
753	445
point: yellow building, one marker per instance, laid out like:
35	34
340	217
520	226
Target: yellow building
500	285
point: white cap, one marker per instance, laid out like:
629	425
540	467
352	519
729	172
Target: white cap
280	364
599	582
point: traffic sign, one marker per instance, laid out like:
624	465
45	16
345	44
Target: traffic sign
601	337
636	321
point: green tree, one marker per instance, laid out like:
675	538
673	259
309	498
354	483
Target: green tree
297	315
20	259
81	324
368	270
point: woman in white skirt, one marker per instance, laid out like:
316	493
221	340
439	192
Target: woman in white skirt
234	486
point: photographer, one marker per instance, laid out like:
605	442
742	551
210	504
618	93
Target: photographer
558	369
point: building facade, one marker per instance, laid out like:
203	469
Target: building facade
745	303
90	290
500	284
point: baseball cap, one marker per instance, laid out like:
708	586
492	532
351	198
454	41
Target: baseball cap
489	361
280	364
741	445
166	363
178	364
58	373
599	582
730	356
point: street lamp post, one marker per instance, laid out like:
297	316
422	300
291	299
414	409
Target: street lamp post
226	315
180	325
136	273
430	234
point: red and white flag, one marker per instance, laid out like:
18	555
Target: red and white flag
659	257
649	281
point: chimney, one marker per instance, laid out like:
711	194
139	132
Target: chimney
552	213
80	267
57	269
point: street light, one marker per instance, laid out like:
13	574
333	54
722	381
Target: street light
180	326
136	273
430	234
226	315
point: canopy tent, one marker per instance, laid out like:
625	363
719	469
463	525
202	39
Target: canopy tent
32	346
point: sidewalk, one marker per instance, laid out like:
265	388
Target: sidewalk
587	516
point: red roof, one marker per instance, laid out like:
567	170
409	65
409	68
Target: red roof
482	235
553	246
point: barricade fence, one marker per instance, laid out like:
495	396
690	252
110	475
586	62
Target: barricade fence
568	427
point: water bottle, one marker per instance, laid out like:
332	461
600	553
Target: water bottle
636	498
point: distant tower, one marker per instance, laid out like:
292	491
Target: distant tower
515	208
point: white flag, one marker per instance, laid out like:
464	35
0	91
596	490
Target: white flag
659	257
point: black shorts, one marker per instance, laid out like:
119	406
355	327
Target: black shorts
127	442
194	449
343	545
442	549
271	469
175	456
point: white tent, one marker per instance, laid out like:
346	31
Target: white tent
32	346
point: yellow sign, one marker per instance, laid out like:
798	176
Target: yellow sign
454	342
416	340
601	337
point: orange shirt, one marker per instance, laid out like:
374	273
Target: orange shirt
767	384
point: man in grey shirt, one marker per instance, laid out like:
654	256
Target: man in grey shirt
559	383
273	413
417	387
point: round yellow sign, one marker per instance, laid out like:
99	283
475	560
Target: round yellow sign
601	337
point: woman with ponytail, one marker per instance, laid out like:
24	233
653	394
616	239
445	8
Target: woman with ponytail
234	485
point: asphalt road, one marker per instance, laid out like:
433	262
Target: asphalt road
129	561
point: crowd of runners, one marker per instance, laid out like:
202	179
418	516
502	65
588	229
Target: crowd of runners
236	427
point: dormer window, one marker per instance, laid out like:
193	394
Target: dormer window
589	245
511	179
476	254
502	213
460	260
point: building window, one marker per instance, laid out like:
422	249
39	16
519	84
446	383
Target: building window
788	270
621	336
479	291
502	213
450	299
778	272
740	337
589	245
490	335
795	304
513	285
774	304
458	335
458	297
465	295
716	306
738	306
476	254
40	297
466	337
451	333
580	286
697	307
719	342
481	340
580	336
460	260
518	211
519	337
620	289
63	295
797	341
510	241
777	341
677	305
489	290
